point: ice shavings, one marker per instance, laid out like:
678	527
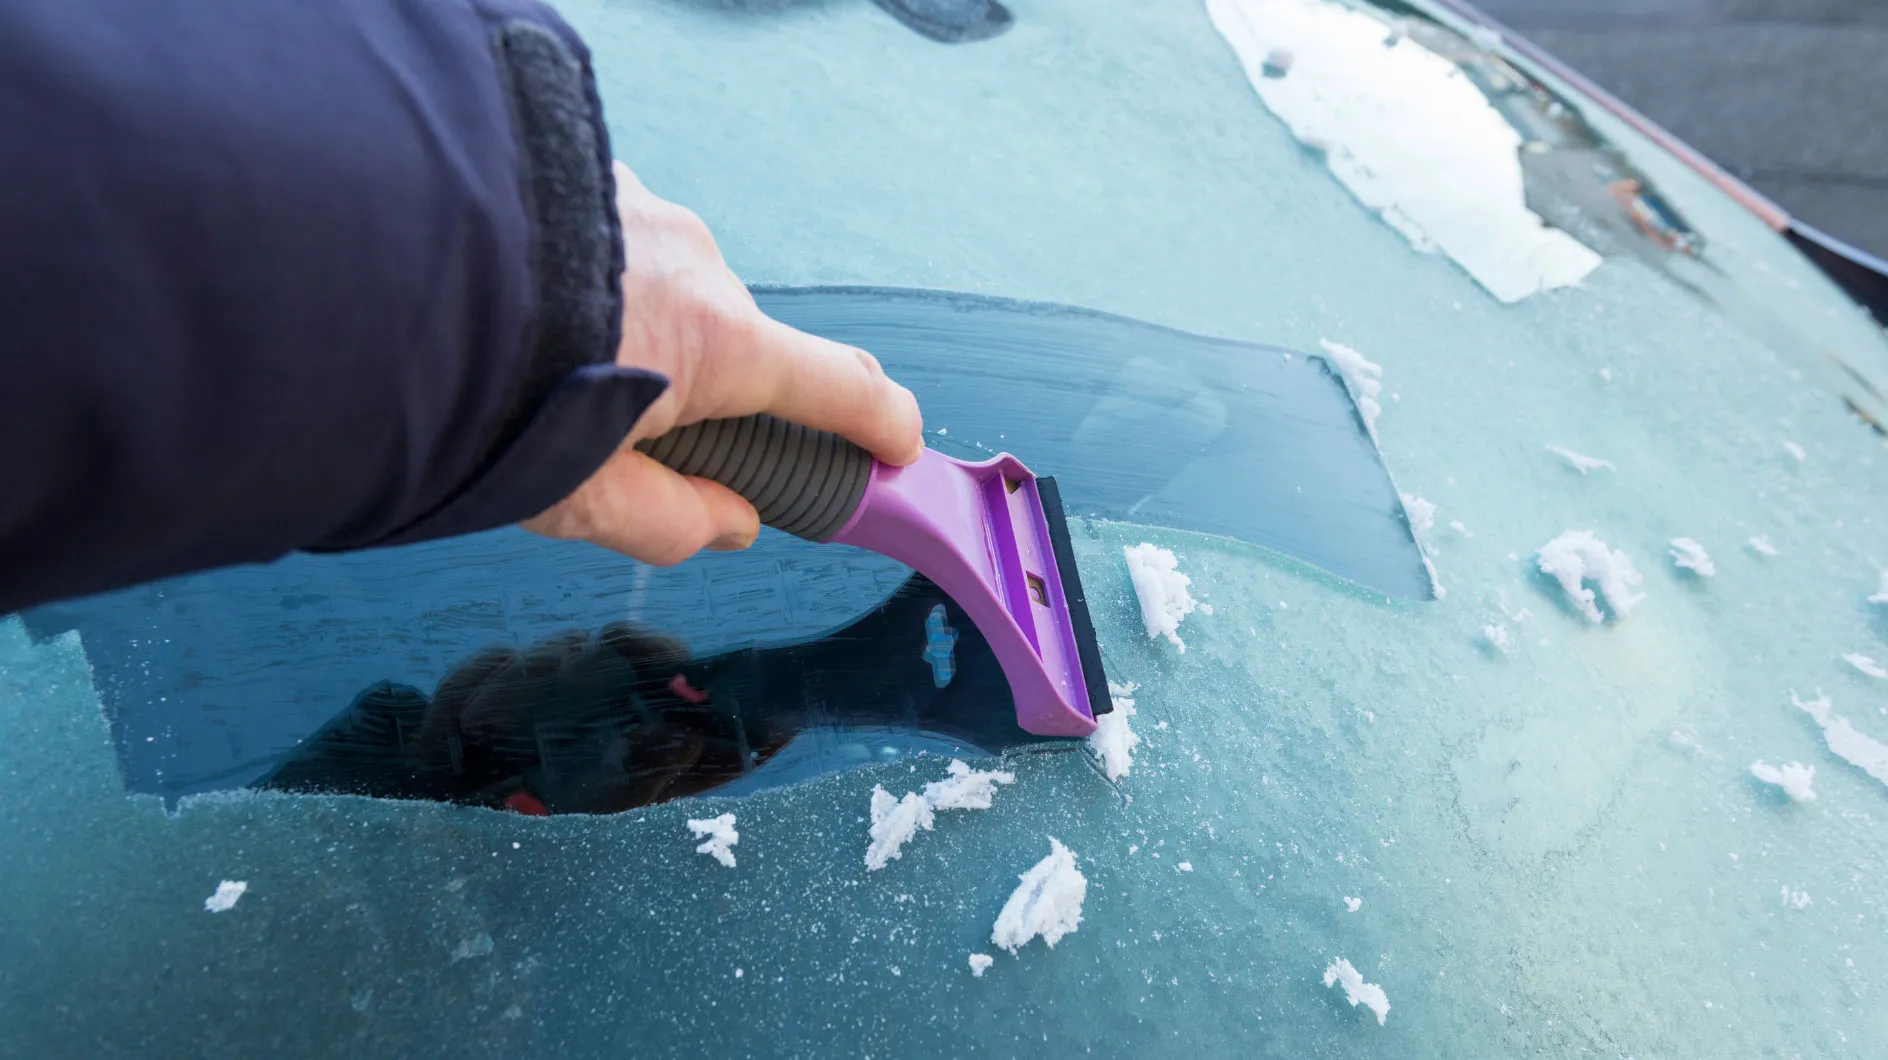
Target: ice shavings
1577	556
1422	515
894	822
1580	461
1795	899
965	788
1865	664
1794	778
1795	450
1048	902
1356	991
1691	556
1761	544
1113	741
1162	591
980	963
226	896
1362	377
1351	905
1407	134
1497	636
1844	740
719	837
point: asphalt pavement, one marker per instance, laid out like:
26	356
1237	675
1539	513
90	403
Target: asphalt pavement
1790	95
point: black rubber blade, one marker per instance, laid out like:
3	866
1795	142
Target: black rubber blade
1087	648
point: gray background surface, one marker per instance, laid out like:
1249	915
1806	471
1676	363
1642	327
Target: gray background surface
1790	95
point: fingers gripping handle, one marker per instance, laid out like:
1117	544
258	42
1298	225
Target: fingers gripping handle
802	481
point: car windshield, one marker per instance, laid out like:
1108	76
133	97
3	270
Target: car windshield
1535	703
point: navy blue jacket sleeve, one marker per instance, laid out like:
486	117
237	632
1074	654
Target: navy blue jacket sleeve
295	274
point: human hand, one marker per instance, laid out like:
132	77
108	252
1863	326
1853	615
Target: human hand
686	315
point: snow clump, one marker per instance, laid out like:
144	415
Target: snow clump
1794	778
1356	991
720	836
1844	739
226	896
1113	741
1162	590
894	822
1578	556
1691	556
1362	377
1048	902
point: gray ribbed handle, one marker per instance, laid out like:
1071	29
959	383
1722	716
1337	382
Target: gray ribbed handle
800	480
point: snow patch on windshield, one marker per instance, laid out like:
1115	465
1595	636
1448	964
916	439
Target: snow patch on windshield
1794	778
1113	740
965	788
1162	591
1356	991
1844	739
1580	461
720	836
1691	555
1577	556
1048	902
1865	663
1362	376
894	822
1407	134
1422	515
227	894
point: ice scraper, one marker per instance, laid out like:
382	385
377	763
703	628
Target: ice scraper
991	534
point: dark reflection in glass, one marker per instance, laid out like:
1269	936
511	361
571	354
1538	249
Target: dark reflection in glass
1574	178
606	722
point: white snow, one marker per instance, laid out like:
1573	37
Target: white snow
1351	905
1407	134
1422	515
1580	461
1761	543
1850	745
1691	555
1865	664
1794	778
966	788
1048	902
1795	899
980	963
1881	596
1184	866
894	822
720	836
1356	991
1576	556
1362	377
1795	450
1162	591
1114	741
226	896
1497	635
